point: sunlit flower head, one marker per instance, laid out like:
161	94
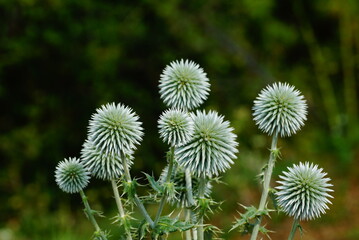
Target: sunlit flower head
280	110
184	85
115	128
303	192
71	175
212	148
175	127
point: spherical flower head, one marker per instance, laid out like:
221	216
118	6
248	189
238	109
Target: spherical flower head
115	128
71	175
184	84
175	127
280	110
303	191
212	148
101	164
178	177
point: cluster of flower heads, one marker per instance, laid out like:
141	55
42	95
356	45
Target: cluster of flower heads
280	110
303	192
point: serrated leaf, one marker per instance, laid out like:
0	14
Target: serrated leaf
154	184
167	225
142	229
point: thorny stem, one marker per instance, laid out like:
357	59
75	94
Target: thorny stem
294	229
121	211
266	183
136	198
201	190
188	219
167	180
190	200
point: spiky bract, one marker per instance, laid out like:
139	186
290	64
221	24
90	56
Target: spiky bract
115	128
184	84
101	164
175	127
280	109
178	177
212	148
71	175
303	191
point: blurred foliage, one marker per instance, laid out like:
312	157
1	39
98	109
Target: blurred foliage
61	59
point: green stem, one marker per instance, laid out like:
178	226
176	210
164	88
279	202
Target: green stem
266	183
190	199
201	190
167	180
138	202
90	215
294	229
188	219
119	205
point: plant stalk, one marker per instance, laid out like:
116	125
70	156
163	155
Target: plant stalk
121	211
167	180
294	229
201	190
190	199
89	211
266	183
188	219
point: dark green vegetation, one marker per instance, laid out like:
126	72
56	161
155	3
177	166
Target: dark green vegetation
61	59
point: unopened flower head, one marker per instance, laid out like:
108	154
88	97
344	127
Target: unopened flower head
101	164
178	177
115	128
212	148
184	84
175	127
280	110
71	175
304	191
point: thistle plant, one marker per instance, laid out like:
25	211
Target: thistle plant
201	146
303	193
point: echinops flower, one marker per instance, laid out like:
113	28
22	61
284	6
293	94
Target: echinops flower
184	84
303	191
280	110
101	164
114	129
175	127
71	175
212	148
178	177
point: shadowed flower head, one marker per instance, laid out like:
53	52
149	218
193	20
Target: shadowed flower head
71	176
303	191
175	127
280	109
212	147
103	165
114	129
179	179
183	84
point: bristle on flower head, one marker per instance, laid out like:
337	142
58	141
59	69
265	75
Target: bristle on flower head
175	127
280	110
212	148
71	175
115	128
303	191
184	85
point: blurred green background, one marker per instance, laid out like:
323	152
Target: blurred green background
61	59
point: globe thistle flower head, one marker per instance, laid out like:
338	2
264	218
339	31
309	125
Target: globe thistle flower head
184	84
115	128
304	191
101	164
71	175
178	177
280	110
175	127
212	148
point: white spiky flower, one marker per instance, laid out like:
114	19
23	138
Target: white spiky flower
280	110
304	191
178	177
184	84
114	129
175	127
212	147
101	164
71	175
